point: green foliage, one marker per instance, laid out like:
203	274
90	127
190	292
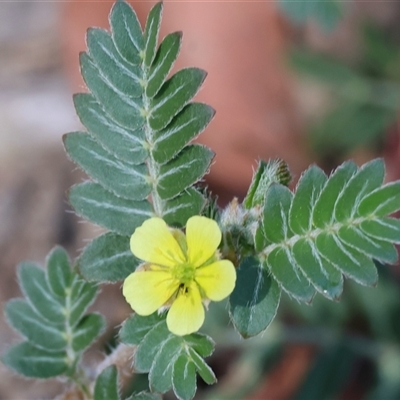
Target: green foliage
137	150
171	361
329	227
51	319
139	125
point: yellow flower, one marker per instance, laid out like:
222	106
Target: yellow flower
179	272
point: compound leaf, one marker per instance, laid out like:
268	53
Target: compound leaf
158	352
51	318
330	227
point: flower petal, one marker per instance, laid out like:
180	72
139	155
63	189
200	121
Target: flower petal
153	242
217	279
203	237
147	291
186	314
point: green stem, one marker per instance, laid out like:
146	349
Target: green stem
154	169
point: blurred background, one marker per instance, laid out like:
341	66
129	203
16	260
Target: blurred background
305	81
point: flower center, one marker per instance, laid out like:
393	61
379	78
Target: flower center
184	273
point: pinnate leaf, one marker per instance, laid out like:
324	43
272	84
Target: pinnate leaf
51	318
158	352
329	227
